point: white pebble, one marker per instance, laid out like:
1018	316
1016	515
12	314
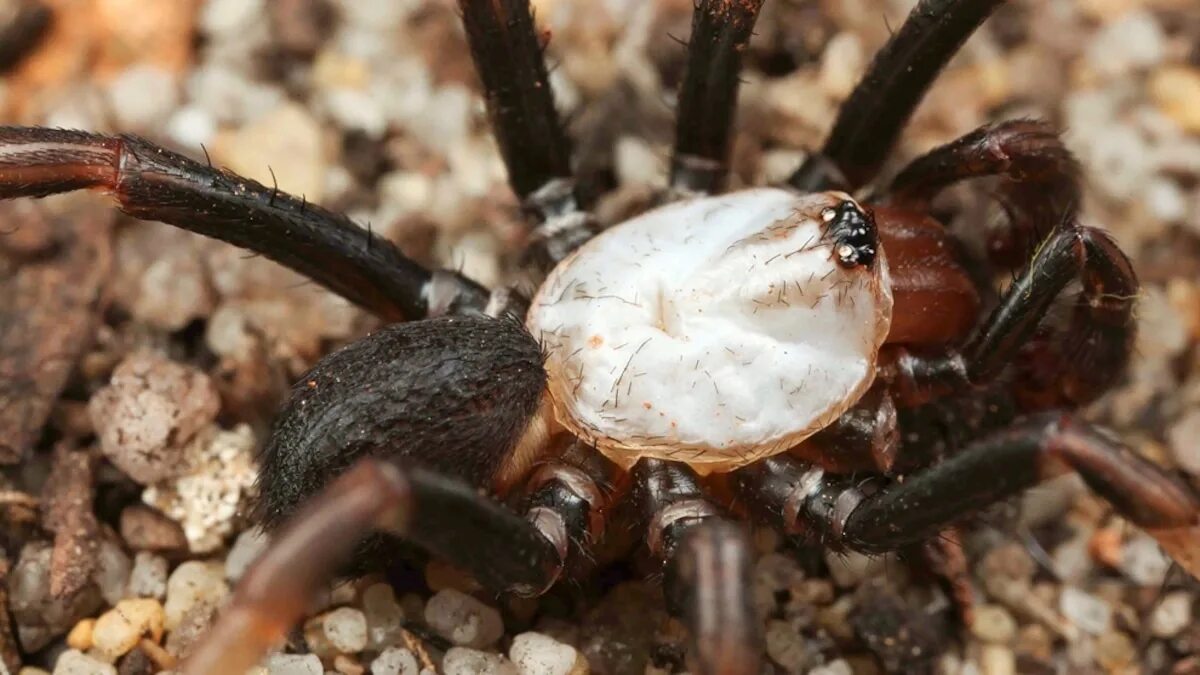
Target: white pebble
342	631
142	97
1119	161
462	619
245	550
997	660
112	571
841	64
835	667
207	501
75	662
538	654
384	615
149	576
227	17
395	661
1143	561
294	664
1165	200
228	95
637	163
192	127
463	661
1134	41
1089	613
1181	437
191	584
1172	615
355	109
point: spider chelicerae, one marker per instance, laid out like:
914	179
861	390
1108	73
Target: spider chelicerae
724	356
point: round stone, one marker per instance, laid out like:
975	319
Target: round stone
715	330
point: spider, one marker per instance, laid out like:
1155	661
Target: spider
722	356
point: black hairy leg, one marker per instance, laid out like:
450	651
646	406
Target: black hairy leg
707	565
870	120
457	395
1040	181
803	500
508	55
721	31
152	183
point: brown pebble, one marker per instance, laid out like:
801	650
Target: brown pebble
145	529
1115	650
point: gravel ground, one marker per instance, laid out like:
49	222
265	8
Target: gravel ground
159	357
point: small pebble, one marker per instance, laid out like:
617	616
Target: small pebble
112	571
464	661
1118	160
841	64
1176	90
462	619
1115	650
119	629
191	584
208	500
347	665
1181	437
1072	560
228	17
1089	613
191	127
149	411
1172	614
786	647
284	146
395	661
538	654
80	636
997	660
294	664
142	97
835	667
993	624
384	615
145	529
341	631
74	662
1134	41
1143	561
149	576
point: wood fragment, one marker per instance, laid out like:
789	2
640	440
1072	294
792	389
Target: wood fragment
68	513
10	653
52	303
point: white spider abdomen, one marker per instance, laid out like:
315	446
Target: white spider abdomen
714	331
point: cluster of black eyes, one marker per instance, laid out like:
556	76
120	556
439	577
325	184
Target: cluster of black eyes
852	230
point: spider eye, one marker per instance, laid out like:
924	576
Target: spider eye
855	240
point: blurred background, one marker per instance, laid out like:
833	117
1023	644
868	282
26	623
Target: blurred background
372	108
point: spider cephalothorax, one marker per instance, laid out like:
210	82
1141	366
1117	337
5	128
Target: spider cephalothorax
721	356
